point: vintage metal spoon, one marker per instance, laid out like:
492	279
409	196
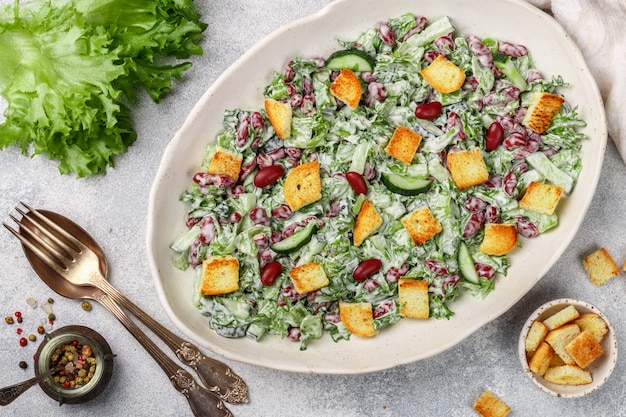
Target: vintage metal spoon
215	375
8	394
202	401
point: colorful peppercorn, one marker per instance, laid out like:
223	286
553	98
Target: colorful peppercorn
79	362
9	320
86	306
23	341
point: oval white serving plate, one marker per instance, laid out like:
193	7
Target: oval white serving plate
241	86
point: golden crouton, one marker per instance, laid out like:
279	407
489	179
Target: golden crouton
308	277
561	317
413	298
560	337
367	222
600	266
499	239
467	168
541	198
280	115
225	163
541	359
220	275
568	375
542	108
421	225
584	349
403	144
535	336
358	318
443	75
488	405
594	324
347	88
303	185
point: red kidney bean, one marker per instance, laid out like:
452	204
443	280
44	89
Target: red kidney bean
256	121
452	280
480	51
444	44
289	72
375	92
282	212
296	100
242	133
474	223
220	181
266	256
526	228
454	120
268	175
259	216
366	269
193	257
261	240
511	49
510	182
294	334
494	136
369	172
386	34
436	266
357	182
332	318
421	24
494	181
368	77
491	215
370	285
533	75
308	104
431	55
395	273
289	230
475	204
307	85
270	272
514	141
208	230
384	308
485	271
247	169
428	111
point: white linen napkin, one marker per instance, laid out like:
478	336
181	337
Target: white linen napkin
599	29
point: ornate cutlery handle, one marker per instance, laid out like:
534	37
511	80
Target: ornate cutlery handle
8	394
215	375
202	402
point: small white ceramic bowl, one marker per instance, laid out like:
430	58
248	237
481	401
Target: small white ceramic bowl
600	369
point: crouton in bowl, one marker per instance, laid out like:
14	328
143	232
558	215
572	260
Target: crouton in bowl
568	348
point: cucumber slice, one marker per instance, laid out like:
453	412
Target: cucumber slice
353	59
404	185
466	264
297	240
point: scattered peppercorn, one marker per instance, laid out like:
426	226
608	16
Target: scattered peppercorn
50	300
23	342
18	316
23	364
19	330
41	330
9	320
32	337
52	317
86	306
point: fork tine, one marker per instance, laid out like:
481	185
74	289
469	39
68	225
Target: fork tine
42	254
55	232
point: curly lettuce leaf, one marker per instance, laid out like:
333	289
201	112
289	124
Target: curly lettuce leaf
68	67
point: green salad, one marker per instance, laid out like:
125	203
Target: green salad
248	217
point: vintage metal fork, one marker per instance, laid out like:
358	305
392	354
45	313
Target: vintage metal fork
77	263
